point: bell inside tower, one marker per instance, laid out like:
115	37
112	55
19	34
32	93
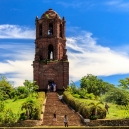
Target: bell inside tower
50	29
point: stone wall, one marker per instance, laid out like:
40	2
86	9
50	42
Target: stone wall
109	122
115	124
25	123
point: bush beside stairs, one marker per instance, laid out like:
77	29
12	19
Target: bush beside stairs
53	104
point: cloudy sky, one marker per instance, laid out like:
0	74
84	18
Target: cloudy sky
97	37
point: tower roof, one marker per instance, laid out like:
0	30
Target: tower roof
50	14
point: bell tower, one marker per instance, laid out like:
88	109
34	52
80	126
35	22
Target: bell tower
50	64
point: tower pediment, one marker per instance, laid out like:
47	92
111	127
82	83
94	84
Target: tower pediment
50	14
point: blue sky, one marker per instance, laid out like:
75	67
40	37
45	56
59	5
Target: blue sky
97	33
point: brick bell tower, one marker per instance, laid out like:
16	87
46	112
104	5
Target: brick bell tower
50	63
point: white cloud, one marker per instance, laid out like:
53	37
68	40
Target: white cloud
85	55
16	32
74	4
20	71
17	64
118	5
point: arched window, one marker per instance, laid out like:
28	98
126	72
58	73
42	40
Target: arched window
60	30
40	30
50	52
50	29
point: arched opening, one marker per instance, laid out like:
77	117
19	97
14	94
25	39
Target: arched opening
50	52
60	30
50	29
40	30
51	85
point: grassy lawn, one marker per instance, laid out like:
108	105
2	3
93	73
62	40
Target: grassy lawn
116	112
14	105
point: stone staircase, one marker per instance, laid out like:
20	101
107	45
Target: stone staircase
53	104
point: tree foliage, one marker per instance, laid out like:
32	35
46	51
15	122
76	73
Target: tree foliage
118	96
29	105
124	83
95	107
6	89
108	92
79	92
21	92
29	89
93	85
31	86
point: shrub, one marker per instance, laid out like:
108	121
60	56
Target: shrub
36	112
93	117
82	107
86	112
9	117
2	106
76	95
37	109
23	116
82	92
77	105
67	97
1	118
90	96
33	108
101	113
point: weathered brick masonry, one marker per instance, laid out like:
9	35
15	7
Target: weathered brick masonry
51	62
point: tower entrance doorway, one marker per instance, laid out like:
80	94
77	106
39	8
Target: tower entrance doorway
51	85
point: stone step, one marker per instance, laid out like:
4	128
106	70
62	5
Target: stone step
54	104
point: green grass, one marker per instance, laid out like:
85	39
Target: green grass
116	112
14	105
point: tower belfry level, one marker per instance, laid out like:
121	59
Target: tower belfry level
50	64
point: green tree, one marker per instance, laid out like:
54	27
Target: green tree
124	83
6	89
95	107
72	88
21	92
31	86
93	85
29	106
118	96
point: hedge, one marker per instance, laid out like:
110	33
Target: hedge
81	107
